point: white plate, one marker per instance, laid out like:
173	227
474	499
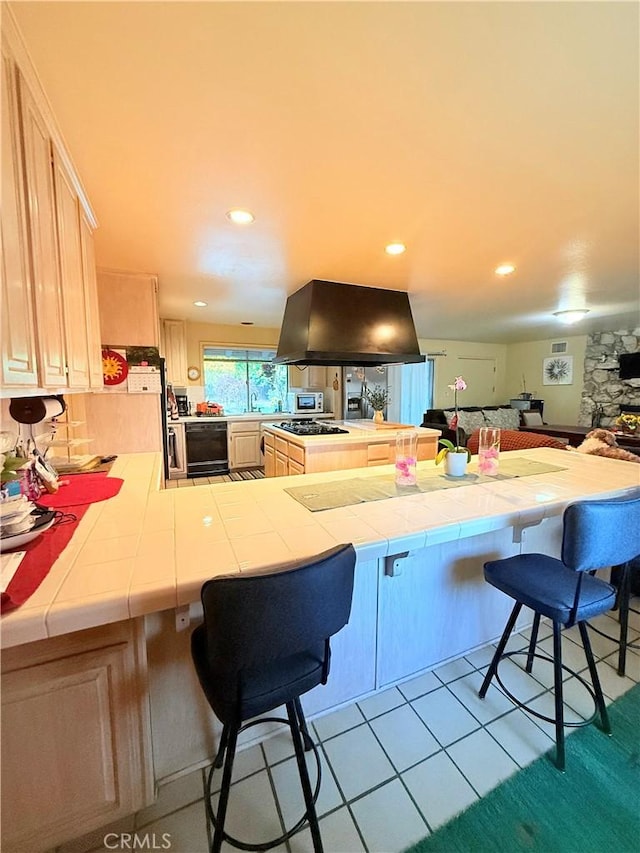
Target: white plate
8	543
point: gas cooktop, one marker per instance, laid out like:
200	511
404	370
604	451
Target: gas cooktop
311	428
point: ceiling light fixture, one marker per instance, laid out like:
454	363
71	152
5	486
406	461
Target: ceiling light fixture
240	217
505	269
571	316
246	322
200	304
395	248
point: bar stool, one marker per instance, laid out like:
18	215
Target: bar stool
596	534
623	577
263	643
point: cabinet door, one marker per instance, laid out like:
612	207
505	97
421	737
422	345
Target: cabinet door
75	719
91	299
71	276
282	465
44	252
18	328
128	304
269	461
245	449
295	467
307	377
174	333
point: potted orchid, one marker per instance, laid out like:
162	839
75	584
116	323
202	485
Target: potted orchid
455	456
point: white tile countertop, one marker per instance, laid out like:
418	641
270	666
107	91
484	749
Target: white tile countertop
149	549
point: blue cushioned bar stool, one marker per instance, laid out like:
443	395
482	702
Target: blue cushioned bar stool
264	642
596	535
626	578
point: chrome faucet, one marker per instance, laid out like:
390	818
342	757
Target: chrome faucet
252	400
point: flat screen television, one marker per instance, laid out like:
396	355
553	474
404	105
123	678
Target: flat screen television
629	365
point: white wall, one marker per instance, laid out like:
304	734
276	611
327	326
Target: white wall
456	363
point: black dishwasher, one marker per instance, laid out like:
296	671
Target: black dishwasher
206	448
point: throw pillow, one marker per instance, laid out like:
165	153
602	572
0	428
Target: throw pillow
532	419
468	421
503	418
449	413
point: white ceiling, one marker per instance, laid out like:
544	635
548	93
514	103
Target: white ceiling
476	133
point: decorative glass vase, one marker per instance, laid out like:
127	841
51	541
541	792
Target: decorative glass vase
455	464
378	416
406	457
489	451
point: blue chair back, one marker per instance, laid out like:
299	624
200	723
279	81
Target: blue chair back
602	533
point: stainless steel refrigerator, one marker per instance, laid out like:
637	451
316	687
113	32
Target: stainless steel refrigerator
354	382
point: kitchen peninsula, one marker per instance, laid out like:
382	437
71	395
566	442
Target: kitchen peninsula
99	693
350	444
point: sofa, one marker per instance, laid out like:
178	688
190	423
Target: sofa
471	418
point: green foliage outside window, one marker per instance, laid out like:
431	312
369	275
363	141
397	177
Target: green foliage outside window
244	380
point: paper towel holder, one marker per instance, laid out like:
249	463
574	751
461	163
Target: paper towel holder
33	410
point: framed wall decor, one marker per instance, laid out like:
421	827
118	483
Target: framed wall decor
557	370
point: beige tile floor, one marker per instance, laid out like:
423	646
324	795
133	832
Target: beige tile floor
396	766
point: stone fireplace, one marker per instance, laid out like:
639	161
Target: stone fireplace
604	395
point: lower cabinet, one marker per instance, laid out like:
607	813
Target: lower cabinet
244	444
76	748
177	451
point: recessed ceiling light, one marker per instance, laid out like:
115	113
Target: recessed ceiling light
571	316
505	269
395	248
240	217
246	322
200	304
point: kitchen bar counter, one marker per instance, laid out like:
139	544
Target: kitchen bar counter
149	549
105	640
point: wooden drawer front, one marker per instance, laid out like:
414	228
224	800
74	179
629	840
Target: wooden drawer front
295	467
380	454
269	440
296	453
244	426
282	446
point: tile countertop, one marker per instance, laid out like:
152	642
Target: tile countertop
357	431
149	549
254	416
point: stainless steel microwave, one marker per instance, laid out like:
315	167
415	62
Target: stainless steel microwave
306	402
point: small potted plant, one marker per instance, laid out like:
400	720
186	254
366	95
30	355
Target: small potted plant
455	456
377	398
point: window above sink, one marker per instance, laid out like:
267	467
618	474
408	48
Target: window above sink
244	381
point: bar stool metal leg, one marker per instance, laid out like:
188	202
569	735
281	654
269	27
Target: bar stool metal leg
306	737
311	815
500	650
557	690
532	642
218	835
595	680
624	595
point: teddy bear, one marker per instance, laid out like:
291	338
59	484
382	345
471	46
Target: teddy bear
601	442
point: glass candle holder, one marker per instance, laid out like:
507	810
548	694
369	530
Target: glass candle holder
406	457
489	451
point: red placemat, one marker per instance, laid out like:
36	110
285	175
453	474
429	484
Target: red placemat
77	489
75	497
40	555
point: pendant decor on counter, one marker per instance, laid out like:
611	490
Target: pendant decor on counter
378	416
455	464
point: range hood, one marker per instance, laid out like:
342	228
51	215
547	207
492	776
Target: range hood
329	323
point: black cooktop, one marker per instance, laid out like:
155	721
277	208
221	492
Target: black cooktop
311	428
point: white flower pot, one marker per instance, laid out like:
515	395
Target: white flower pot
455	464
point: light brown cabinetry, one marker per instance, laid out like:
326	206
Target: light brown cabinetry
174	348
49	337
128	305
307	377
243	444
269	456
75	719
19	367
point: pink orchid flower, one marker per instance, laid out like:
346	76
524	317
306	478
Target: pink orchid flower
459	384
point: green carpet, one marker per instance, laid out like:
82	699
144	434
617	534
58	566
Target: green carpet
592	808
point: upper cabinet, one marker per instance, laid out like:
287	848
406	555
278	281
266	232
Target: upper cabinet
18	328
310	376
174	348
128	305
49	327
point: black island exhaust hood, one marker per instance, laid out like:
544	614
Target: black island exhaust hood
329	323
